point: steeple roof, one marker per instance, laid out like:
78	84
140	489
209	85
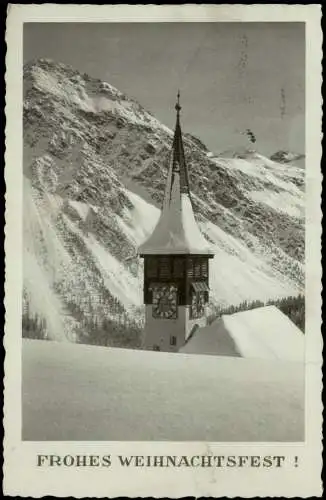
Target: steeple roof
176	231
178	158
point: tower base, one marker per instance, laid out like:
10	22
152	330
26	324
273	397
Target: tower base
169	335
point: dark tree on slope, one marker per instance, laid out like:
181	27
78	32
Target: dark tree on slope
110	333
293	307
33	326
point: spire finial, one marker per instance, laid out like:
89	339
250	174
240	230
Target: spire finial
177	106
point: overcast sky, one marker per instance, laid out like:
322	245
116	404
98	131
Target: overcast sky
232	76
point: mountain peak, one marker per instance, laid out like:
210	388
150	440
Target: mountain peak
49	65
285	156
243	152
43	70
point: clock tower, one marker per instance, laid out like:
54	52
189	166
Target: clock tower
176	262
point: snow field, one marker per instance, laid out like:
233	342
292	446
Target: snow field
75	392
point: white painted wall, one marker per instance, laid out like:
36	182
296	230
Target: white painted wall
159	331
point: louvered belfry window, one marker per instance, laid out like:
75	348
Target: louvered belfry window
178	268
197	268
190	268
165	268
152	267
204	268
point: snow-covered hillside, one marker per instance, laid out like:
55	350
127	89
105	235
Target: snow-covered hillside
95	164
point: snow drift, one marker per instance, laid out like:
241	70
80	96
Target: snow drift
78	393
263	333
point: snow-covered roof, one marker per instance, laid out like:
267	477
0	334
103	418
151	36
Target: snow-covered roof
264	333
74	392
177	231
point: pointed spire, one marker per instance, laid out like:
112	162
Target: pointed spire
179	163
177	106
176	231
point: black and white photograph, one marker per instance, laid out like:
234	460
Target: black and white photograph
167	290
164	214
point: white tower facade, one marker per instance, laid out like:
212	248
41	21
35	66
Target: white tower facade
176	262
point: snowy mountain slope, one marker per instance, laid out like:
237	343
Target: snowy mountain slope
95	164
68	274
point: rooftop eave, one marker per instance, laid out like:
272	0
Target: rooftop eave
162	252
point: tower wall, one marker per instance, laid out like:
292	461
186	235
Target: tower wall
158	333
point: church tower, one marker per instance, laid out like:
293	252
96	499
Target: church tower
176	262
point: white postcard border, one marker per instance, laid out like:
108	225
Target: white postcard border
21	475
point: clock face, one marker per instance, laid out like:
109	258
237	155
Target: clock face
165	301
198	305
